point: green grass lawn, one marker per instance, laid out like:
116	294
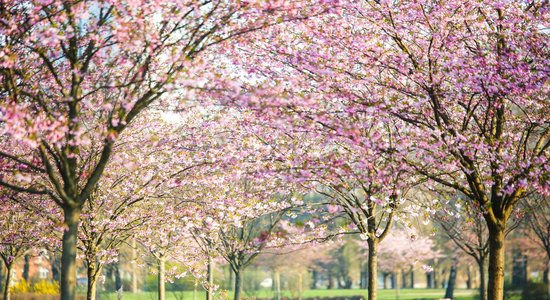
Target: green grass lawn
404	294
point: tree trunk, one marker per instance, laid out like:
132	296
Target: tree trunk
210	274
451	283
546	278
300	286
373	269
118	278
92	273
397	283
482	278
411	275
161	279
7	284
277	285
495	289
231	279
26	267
314	279
68	256
468	277
435	279
237	289
134	286
56	266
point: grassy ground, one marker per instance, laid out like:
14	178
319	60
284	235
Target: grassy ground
404	294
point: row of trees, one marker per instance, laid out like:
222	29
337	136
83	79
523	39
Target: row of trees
366	103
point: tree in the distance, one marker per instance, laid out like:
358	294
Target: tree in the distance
538	220
23	230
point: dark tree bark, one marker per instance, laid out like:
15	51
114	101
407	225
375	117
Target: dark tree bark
7	282
429	280
330	284
451	283
118	278
238	287
68	257
26	267
314	279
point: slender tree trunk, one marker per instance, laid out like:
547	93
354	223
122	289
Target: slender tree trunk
68	256
277	285
237	289
451	283
546	278
56	266
411	275
435	279
210	275
300	286
468	277
134	286
397	274
495	289
92	273
7	284
92	289
161	279
482	278
26	267
231	279
314	279
118	278
373	269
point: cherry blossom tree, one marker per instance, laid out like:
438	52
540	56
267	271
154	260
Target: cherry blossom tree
468	231
23	230
239	219
354	160
118	207
406	248
166	240
310	257
75	74
538	220
468	80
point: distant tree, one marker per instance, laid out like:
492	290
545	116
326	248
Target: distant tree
23	230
